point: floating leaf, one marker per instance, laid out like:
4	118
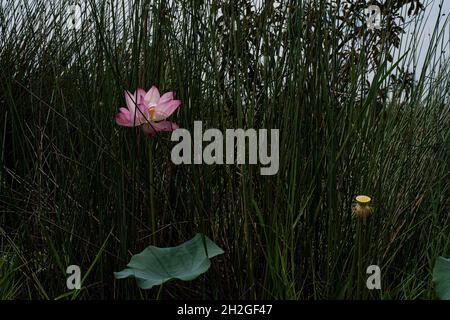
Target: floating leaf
441	277
154	265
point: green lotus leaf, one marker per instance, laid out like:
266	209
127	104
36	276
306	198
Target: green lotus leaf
155	265
441	278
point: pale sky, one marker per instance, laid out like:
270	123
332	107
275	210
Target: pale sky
422	39
430	18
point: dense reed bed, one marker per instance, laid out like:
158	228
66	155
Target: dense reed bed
356	116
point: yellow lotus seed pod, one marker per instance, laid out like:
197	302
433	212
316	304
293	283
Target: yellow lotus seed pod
362	208
363	199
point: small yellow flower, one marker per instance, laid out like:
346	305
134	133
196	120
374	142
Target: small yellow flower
362	208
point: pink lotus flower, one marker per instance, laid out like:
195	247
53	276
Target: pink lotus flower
148	110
